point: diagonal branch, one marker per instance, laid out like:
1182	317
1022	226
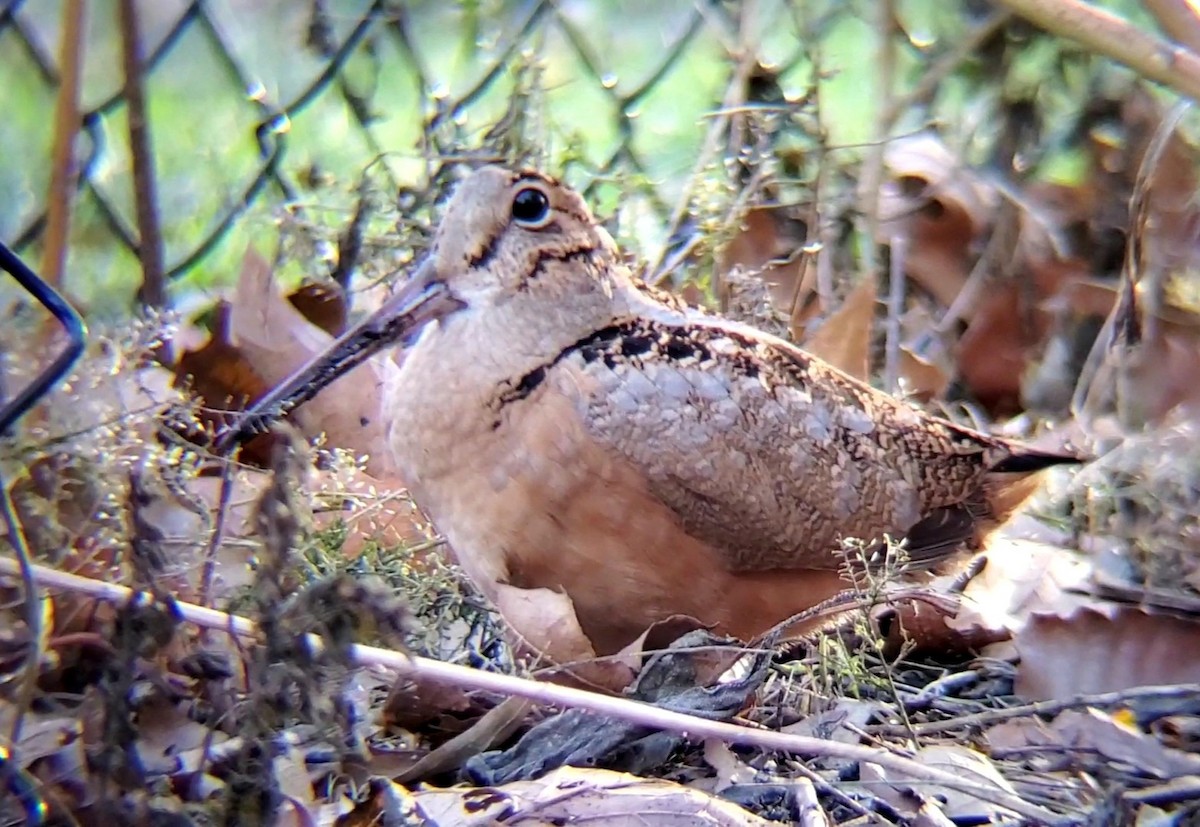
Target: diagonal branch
1107	34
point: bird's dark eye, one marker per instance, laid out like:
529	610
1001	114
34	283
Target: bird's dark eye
531	208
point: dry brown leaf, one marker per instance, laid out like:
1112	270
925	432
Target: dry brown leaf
945	211
1091	297
221	379
372	510
220	375
295	778
926	364
1169	231
842	723
324	305
276	340
51	749
766	249
1090	732
940	206
388	803
294	812
844	339
1008	328
414	701
544	620
165	731
922	380
544	624
600	798
994	349
1105	648
693	294
919	622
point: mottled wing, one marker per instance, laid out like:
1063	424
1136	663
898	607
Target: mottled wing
770	455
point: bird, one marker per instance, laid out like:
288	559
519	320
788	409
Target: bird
568	427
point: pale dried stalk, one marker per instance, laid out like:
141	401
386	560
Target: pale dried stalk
563	696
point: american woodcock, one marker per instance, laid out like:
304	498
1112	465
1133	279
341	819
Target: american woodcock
569	429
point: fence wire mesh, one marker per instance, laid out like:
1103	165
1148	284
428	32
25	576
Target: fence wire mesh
246	106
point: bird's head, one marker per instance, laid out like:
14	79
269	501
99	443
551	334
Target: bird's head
512	247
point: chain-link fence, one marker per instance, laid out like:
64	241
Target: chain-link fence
198	119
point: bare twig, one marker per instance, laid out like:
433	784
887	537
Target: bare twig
63	171
153	292
1108	350
941	68
563	696
872	168
895	309
735	96
209	572
1173	792
1107	34
823	229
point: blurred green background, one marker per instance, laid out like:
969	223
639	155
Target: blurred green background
605	90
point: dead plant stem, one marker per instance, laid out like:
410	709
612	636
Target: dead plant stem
635	712
153	292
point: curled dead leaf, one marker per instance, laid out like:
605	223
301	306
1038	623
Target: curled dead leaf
276	340
1020	578
1105	648
598	797
544	624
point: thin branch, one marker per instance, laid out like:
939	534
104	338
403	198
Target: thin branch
63	171
744	60
153	292
1175	791
897	282
886	30
1107	34
945	65
1107	700
563	696
1179	19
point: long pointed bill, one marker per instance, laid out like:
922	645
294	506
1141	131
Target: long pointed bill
422	299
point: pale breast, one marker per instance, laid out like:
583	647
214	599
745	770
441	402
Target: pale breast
529	498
